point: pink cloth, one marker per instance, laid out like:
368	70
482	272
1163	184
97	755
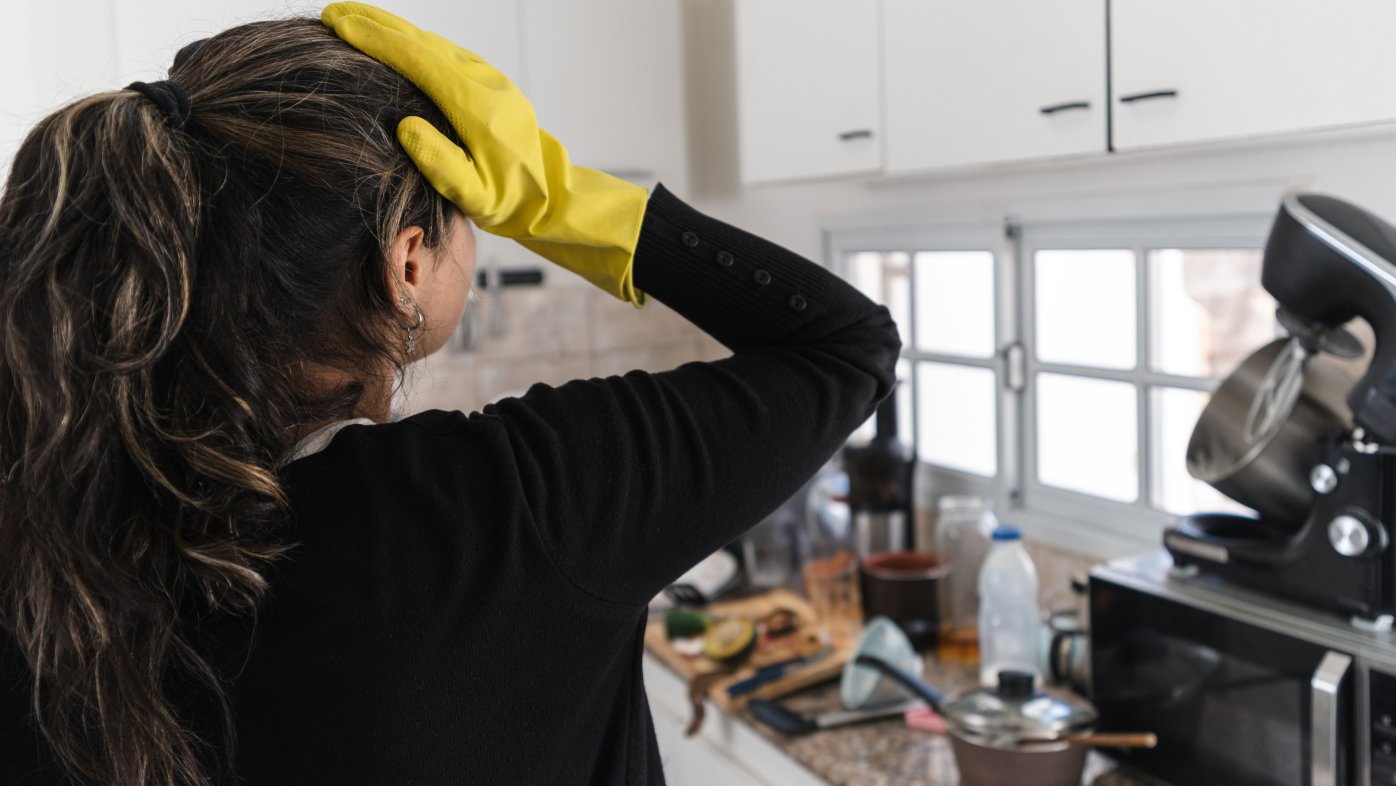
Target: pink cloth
925	719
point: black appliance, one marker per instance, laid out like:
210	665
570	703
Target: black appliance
1326	262
1242	688
879	486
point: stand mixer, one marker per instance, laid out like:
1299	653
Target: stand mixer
1302	433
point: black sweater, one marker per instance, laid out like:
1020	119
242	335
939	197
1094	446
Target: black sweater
468	601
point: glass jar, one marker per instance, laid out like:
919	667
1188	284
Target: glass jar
964	525
830	565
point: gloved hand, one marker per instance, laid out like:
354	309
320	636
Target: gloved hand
513	179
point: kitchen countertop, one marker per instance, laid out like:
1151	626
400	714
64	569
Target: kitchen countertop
885	752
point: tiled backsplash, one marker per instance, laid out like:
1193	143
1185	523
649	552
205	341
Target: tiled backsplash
552	335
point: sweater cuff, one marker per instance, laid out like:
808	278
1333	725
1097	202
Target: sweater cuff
736	286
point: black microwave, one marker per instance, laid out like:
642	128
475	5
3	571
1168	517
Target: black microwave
1242	689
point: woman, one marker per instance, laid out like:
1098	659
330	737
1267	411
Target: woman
219	562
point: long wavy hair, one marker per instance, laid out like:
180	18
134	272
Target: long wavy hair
162	293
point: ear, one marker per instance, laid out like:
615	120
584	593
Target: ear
406	263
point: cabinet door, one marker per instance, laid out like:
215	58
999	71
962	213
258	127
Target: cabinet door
992	80
807	88
149	32
1199	70
606	79
51	53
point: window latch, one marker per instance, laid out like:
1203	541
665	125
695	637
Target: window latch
1015	373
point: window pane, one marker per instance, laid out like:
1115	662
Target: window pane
1175	412
905	415
884	277
1085	302
1087	436
955	302
956	423
1207	310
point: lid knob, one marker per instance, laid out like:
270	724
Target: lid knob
1015	684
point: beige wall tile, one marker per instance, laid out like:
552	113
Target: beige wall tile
1055	569
536	322
619	361
494	378
618	325
442	381
708	348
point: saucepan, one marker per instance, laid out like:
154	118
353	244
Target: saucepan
1012	734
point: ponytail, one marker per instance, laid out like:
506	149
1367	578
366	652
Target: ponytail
96	291
160	289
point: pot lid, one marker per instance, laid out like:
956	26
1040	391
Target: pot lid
1014	709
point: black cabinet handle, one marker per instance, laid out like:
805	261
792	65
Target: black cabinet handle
1129	99
1054	108
862	133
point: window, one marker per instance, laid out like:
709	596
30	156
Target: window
1059	368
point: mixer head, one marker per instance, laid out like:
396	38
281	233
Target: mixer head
1326	262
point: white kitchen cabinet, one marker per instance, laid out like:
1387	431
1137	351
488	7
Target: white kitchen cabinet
808	88
606	79
1198	70
992	81
50	54
150	32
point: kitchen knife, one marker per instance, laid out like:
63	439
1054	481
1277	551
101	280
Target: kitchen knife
787	721
774	671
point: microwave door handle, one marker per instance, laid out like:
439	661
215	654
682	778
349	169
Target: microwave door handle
1323	722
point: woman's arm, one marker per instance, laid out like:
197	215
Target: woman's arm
633	479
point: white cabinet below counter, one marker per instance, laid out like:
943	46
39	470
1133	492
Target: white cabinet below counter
725	751
1189	71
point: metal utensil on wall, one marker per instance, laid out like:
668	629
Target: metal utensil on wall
467	332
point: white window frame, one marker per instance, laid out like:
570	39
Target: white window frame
1071	520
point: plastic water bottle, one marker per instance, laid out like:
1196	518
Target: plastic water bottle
1008	618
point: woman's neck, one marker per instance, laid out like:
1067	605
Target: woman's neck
375	404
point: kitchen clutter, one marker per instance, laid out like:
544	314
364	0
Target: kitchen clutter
835	589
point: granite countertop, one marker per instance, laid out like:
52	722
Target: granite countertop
885	752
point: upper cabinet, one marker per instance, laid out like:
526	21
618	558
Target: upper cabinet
1200	70
606	79
604	76
877	87
150	32
992	81
51	53
808	88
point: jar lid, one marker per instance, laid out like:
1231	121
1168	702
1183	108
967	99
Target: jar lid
1013	709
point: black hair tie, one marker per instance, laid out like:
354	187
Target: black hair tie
169	96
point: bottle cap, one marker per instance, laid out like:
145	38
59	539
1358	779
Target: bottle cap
1007	533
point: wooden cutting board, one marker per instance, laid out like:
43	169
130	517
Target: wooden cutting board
803	641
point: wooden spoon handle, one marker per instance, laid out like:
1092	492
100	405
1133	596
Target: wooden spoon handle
1114	739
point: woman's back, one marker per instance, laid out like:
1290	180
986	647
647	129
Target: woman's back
463	598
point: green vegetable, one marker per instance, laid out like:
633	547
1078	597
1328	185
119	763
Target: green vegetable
682	623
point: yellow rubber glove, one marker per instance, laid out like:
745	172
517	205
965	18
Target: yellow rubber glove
513	179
